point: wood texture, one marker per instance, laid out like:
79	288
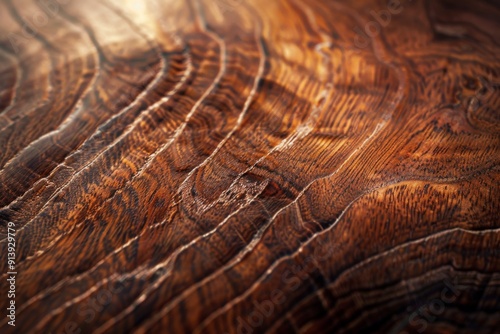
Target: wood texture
259	166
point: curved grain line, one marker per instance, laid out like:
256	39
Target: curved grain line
268	272
15	88
78	104
253	243
20	21
128	130
394	249
179	250
166	145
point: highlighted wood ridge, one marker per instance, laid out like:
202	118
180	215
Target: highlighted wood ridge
249	166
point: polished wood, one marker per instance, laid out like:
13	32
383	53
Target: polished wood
251	166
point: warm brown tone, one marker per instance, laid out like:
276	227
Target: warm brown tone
169	165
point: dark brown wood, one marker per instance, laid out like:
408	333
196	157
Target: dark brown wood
237	166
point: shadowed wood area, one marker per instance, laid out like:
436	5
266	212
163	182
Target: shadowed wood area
250	166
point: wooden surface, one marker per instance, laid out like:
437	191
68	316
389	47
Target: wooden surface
264	166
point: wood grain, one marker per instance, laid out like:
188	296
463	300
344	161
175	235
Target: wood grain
251	166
